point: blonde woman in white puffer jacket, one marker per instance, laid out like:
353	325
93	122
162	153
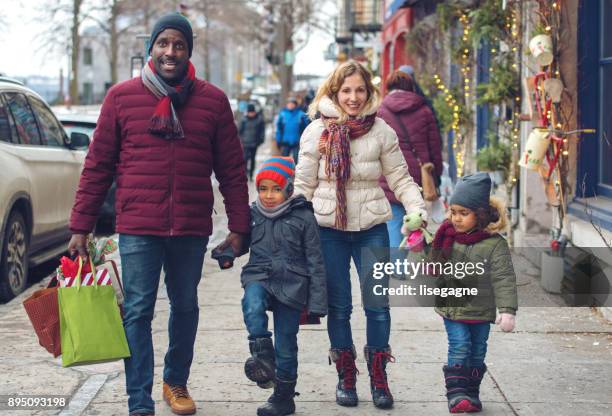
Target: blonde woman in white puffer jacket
342	155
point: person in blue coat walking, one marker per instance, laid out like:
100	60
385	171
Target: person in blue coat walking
290	124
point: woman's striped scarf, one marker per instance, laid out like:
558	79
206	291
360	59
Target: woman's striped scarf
164	122
335	146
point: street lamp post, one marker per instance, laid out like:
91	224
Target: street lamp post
136	65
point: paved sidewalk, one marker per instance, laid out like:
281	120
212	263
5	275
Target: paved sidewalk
558	362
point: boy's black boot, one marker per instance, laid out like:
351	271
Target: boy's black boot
346	390
475	378
260	366
377	359
456	379
281	402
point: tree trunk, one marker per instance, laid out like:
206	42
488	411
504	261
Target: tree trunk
206	41
114	41
76	43
285	44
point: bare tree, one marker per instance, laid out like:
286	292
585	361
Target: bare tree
137	16
222	18
57	37
287	18
75	39
105	14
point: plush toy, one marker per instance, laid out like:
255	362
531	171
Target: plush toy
415	234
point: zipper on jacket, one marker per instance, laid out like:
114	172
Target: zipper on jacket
171	210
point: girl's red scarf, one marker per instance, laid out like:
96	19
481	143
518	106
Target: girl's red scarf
447	235
165	122
335	146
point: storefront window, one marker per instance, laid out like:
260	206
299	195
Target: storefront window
605	121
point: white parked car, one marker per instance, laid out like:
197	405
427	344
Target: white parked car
40	172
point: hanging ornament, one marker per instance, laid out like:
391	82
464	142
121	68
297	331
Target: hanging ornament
541	49
554	88
543	105
535	149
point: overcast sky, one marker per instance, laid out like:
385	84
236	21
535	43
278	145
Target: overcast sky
20	56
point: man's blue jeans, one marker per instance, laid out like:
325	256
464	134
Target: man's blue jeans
142	258
338	248
255	302
467	343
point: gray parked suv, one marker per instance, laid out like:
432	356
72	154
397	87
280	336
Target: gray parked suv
40	169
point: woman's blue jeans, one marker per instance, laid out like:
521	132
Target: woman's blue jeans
142	259
255	302
395	225
467	343
338	249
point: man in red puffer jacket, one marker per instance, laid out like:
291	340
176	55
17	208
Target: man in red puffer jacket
419	138
163	135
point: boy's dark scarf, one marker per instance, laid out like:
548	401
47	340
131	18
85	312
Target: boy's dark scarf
446	235
165	122
335	146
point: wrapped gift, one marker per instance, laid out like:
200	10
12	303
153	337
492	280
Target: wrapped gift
102	278
106	274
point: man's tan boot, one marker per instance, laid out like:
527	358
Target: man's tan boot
178	399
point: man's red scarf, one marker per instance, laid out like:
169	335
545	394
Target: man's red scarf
335	146
165	122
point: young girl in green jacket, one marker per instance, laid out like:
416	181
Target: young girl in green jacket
471	235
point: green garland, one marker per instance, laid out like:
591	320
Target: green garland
496	155
503	84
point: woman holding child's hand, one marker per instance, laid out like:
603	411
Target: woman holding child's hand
342	155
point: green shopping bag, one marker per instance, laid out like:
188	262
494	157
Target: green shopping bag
91	330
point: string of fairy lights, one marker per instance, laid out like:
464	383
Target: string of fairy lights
514	43
458	128
462	126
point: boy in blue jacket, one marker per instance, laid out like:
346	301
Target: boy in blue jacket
290	125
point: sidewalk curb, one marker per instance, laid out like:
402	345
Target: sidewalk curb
84	395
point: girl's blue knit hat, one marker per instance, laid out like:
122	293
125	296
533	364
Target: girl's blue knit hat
472	191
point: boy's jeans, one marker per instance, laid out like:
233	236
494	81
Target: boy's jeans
142	258
338	248
467	343
255	302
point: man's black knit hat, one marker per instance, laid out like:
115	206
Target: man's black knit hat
173	21
472	191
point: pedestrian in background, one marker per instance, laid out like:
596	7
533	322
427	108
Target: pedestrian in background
252	133
162	135
408	69
290	125
471	236
285	274
419	139
307	100
342	155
